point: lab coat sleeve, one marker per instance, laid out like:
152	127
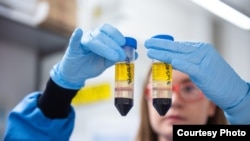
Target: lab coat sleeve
27	122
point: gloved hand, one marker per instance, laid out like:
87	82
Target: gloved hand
209	71
88	55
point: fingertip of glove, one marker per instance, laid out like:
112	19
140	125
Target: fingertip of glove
121	41
147	43
78	31
76	35
106	26
136	55
122	57
113	33
118	56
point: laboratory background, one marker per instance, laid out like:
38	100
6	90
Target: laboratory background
34	35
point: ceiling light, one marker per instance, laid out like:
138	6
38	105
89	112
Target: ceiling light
226	12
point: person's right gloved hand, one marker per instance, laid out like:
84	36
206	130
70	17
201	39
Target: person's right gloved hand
209	71
88	55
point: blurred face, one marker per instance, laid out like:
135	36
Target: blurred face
189	106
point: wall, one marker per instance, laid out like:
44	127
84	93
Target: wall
17	76
234	45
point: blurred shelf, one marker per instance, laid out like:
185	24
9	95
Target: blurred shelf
42	41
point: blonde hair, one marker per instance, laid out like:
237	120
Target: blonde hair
145	131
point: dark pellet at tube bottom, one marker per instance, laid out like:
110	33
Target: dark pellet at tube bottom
162	105
123	105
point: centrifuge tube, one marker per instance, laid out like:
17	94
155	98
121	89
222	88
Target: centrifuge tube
124	78
162	83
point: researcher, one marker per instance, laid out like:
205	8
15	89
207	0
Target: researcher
49	116
189	106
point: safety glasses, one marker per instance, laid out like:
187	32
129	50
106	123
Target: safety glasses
187	91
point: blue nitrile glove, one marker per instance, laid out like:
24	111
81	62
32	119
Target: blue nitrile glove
88	55
209	71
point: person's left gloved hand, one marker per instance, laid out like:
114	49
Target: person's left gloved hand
209	71
88	55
